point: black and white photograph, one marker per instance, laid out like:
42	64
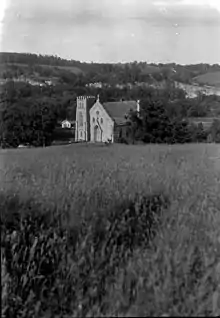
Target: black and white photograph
110	158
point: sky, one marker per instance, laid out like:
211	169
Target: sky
155	31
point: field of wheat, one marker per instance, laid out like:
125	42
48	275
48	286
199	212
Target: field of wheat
177	273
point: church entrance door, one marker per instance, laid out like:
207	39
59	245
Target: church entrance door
97	134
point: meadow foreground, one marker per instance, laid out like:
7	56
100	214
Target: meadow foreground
178	273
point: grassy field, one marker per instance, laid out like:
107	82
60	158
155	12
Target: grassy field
179	274
72	69
211	79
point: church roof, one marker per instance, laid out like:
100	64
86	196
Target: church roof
118	110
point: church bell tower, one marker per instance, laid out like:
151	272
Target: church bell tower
82	130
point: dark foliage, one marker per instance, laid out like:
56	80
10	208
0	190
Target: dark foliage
215	131
154	125
69	271
25	119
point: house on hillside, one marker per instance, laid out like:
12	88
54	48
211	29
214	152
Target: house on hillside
68	123
101	122
95	85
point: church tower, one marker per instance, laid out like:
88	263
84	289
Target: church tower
82	130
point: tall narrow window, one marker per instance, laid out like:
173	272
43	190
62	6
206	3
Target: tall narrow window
80	119
101	120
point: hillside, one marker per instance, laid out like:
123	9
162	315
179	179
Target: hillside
211	79
192	90
73	69
13	65
62	80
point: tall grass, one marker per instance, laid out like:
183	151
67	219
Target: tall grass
122	230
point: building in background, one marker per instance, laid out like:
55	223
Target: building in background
68	123
102	122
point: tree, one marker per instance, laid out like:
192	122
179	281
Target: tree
215	131
201	134
135	128
181	132
198	133
28	121
154	125
155	121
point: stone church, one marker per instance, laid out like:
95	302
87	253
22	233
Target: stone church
101	122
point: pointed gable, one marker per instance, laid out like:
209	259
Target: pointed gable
118	110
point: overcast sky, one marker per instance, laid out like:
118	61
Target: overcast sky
181	31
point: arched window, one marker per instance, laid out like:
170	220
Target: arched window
80	119
97	113
101	120
93	119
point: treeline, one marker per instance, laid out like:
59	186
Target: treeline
64	97
41	74
31	58
102	72
153	124
30	114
